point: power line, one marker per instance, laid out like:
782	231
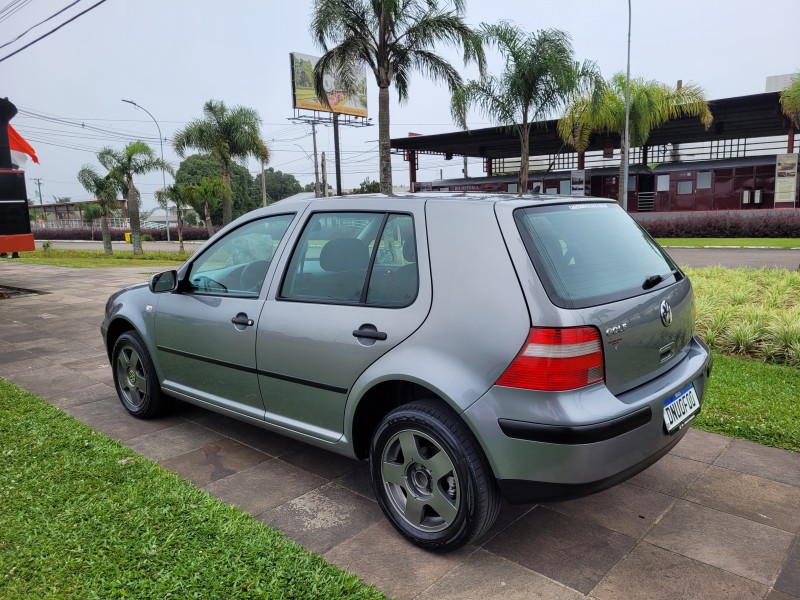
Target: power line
12	8
40	23
52	31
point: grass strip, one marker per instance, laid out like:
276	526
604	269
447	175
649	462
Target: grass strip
84	517
753	401
88	259
731	242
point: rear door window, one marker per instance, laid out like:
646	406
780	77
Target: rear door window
590	254
337	260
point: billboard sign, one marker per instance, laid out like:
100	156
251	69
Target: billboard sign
345	102
785	180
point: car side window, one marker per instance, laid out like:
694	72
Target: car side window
237	264
394	279
337	260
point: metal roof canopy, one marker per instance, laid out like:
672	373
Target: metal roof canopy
757	115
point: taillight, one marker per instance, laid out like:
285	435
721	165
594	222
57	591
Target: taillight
556	360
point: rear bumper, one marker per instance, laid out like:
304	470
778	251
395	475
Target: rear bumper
548	445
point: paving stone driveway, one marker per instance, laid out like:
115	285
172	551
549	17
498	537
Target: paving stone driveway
716	518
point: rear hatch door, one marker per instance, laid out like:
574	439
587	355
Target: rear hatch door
589	263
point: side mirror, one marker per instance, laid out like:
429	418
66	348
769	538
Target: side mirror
164	282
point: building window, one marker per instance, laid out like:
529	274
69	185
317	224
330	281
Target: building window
704	180
663	183
564	187
684	187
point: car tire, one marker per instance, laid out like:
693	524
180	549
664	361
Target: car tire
135	378
431	478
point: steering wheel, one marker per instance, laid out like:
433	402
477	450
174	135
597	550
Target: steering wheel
253	275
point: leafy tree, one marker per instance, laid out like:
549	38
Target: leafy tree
90	212
309	187
62	199
137	158
104	190
206	194
790	101
368	187
226	134
540	76
176	194
246	196
279	185
392	38
652	104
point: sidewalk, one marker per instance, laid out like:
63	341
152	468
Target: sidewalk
717	518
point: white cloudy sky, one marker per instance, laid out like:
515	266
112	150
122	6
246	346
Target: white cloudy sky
170	56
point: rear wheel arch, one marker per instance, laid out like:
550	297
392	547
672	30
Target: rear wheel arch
380	400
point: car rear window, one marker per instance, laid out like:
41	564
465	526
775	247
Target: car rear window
589	254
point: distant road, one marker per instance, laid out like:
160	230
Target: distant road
122	246
691	257
755	258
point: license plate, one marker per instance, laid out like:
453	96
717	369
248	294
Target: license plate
680	408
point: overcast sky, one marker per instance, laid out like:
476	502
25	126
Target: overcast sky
170	56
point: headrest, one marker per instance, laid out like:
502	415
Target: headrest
410	251
344	254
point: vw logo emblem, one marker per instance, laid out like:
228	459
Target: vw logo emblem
666	313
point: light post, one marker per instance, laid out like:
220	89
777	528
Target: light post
161	142
627	118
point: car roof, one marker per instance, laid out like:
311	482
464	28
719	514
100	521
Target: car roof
454	197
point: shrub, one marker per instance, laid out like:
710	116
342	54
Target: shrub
118	235
779	224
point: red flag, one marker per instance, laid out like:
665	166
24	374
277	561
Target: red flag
18	144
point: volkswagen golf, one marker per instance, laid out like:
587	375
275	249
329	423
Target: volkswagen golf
470	347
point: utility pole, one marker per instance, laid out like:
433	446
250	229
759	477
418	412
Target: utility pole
38	181
316	165
263	185
324	176
336	157
466	172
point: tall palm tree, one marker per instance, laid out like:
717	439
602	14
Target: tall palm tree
790	102
226	134
176	194
392	38
104	189
204	196
652	104
539	77
137	158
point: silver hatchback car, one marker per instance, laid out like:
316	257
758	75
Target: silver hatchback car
470	347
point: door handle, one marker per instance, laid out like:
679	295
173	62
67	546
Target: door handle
369	332
243	320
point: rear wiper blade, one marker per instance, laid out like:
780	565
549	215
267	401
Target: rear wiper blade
654	280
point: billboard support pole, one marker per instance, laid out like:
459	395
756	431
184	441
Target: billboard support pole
316	164
336	156
324	177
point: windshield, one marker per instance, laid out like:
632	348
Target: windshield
590	254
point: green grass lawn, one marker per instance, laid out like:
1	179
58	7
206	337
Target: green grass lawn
84	517
94	258
732	242
754	401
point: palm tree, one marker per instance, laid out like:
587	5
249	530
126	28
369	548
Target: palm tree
652	104
137	158
226	134
104	189
204	196
392	38
540	76
176	194
790	103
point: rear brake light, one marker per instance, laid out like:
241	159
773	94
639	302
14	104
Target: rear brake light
557	360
